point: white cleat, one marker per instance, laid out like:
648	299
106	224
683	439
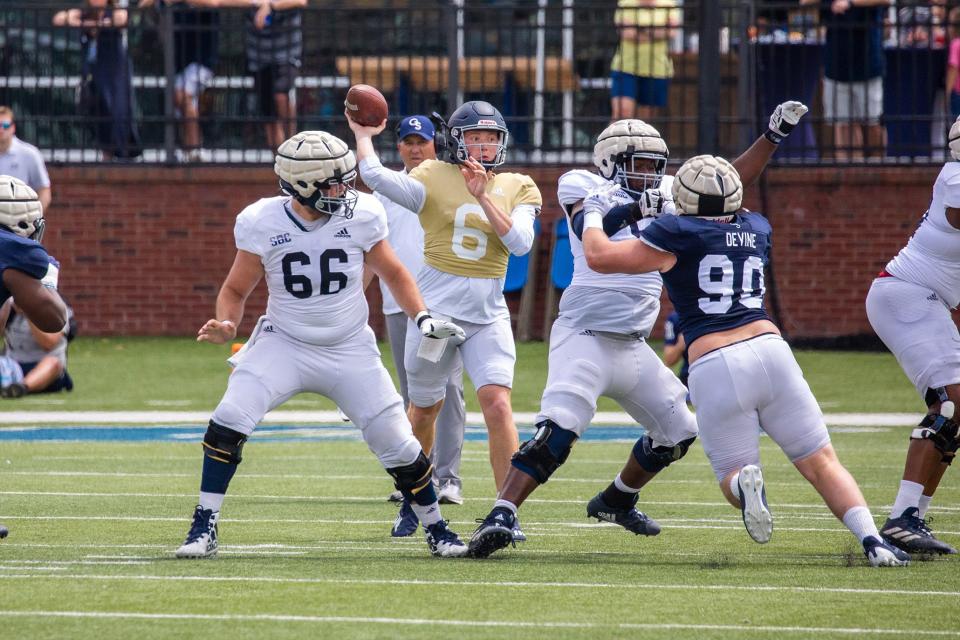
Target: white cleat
882	554
753	504
443	542
449	494
201	540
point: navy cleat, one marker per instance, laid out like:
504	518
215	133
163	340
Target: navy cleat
628	518
753	504
494	533
911	533
406	523
881	554
443	542
201	540
4	532
518	535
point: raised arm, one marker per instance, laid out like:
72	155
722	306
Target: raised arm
751	163
395	185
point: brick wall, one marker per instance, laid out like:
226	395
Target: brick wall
144	249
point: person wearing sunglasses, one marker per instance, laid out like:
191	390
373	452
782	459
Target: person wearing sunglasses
21	159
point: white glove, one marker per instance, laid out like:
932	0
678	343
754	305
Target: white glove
430	327
654	204
783	119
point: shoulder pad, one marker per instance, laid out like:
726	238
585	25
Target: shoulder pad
576	185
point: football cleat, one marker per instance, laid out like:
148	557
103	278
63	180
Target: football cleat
910	533
396	496
407	521
753	504
449	494
13	390
201	541
494	533
881	554
518	535
4	532
443	542
628	518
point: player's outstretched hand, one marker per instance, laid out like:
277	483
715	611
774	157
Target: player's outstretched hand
475	176
217	332
431	327
784	118
363	131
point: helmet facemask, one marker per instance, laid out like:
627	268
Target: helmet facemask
633	175
322	199
463	149
310	165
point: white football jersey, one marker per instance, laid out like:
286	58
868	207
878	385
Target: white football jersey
932	255
314	270
406	238
620	307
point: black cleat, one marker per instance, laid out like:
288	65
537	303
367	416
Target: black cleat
628	518
4	532
910	533
13	390
494	533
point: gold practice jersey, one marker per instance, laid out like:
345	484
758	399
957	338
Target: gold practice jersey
458	238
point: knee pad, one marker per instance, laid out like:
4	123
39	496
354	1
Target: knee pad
942	430
655	459
543	454
412	478
223	444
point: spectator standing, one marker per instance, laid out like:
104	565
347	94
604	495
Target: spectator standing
21	159
853	75
107	90
274	47
641	68
196	39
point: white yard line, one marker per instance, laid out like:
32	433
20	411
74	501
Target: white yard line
422	622
198	418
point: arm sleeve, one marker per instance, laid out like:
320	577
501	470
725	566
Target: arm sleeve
377	229
519	240
397	186
615	220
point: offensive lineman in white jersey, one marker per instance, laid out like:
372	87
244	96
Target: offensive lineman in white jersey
598	342
311	246
909	307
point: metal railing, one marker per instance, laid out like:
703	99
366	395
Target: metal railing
545	63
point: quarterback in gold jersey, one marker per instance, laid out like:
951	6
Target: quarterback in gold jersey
473	219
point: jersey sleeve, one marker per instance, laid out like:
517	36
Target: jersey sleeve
529	194
951	194
375	226
244	236
32	259
663	234
573	187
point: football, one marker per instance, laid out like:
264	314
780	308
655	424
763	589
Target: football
365	105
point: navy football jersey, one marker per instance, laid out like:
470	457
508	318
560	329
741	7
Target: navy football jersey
23	255
717	282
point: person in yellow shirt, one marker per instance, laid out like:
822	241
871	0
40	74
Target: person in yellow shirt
641	69
473	218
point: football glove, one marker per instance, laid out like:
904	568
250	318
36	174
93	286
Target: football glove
430	327
654	204
783	119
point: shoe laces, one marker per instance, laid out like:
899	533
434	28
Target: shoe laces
201	524
440	532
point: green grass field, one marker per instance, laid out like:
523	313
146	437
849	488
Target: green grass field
306	551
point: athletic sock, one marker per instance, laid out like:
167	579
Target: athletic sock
428	514
506	504
860	521
909	496
735	486
619	494
924	505
214	481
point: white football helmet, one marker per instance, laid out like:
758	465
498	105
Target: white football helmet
313	161
954	139
621	145
20	208
707	186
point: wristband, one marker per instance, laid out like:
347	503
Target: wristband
773	136
593	220
422	317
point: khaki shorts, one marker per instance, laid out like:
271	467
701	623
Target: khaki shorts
860	102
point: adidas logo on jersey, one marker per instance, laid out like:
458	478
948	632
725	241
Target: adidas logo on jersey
497	191
343	233
933	297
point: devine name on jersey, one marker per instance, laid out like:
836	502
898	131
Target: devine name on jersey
932	256
606	302
314	271
458	238
717	282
